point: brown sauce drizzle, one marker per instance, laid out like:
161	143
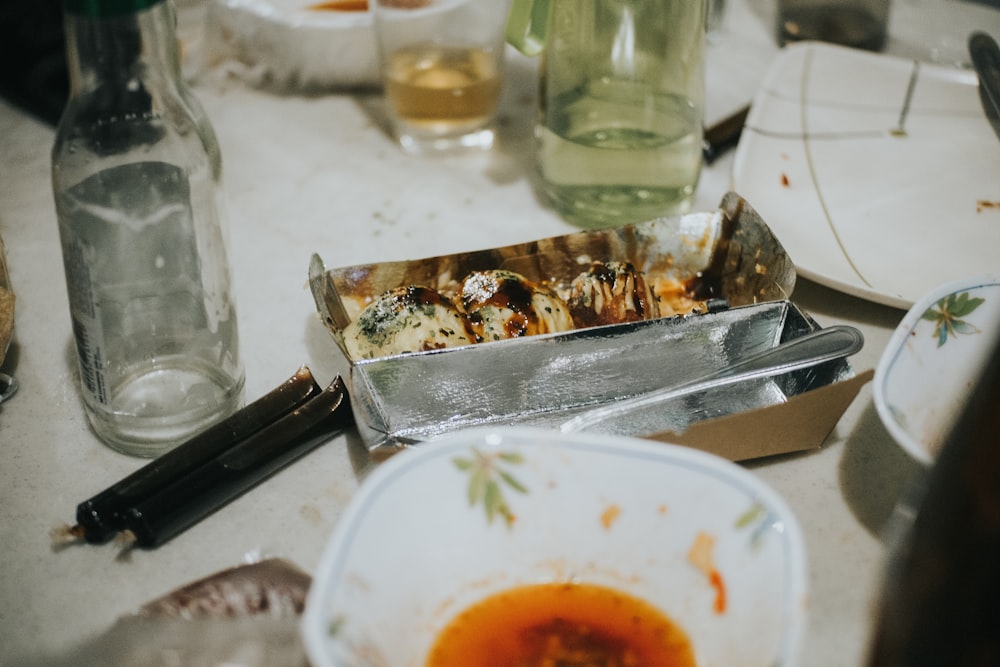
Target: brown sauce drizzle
418	294
707	284
506	293
502	293
609	274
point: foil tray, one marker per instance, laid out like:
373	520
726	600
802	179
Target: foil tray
545	380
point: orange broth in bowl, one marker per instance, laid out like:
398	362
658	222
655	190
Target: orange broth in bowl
566	624
341	6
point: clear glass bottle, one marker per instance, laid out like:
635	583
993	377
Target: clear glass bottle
621	104
136	175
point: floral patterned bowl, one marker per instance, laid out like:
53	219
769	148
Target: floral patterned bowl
445	524
934	359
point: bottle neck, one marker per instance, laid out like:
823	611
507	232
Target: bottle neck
126	55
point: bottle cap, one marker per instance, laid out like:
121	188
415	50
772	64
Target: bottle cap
107	8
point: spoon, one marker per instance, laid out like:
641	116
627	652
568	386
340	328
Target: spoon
803	352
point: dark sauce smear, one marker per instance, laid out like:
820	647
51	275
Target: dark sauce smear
624	302
708	285
704	287
510	294
506	293
377	323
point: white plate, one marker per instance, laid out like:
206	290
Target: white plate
933	361
860	206
411	550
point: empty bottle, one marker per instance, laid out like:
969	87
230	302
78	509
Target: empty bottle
136	174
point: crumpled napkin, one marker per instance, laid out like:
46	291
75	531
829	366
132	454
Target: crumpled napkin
247	616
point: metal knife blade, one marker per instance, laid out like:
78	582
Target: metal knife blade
986	59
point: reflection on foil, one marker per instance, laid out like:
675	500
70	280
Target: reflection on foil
545	380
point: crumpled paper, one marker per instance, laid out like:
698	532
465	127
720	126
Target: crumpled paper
247	616
284	47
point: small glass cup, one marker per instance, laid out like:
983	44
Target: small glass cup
442	68
860	24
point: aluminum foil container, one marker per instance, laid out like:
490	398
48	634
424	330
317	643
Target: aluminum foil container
547	379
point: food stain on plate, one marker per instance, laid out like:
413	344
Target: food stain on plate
610	515
701	557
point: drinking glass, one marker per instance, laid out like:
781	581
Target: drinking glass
442	68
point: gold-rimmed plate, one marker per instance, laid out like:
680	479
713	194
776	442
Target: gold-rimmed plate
878	173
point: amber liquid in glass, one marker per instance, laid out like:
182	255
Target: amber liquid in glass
443	90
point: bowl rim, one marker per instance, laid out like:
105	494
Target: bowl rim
894	349
273	14
313	625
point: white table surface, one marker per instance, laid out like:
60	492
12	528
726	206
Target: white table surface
307	174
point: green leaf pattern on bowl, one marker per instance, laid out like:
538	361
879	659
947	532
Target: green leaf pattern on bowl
947	317
488	476
759	519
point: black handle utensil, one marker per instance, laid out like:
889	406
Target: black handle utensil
205	489
102	516
723	135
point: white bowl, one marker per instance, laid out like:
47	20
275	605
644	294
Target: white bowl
411	551
284	45
933	360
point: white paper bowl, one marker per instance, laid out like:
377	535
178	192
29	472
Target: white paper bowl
285	46
928	368
411	552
